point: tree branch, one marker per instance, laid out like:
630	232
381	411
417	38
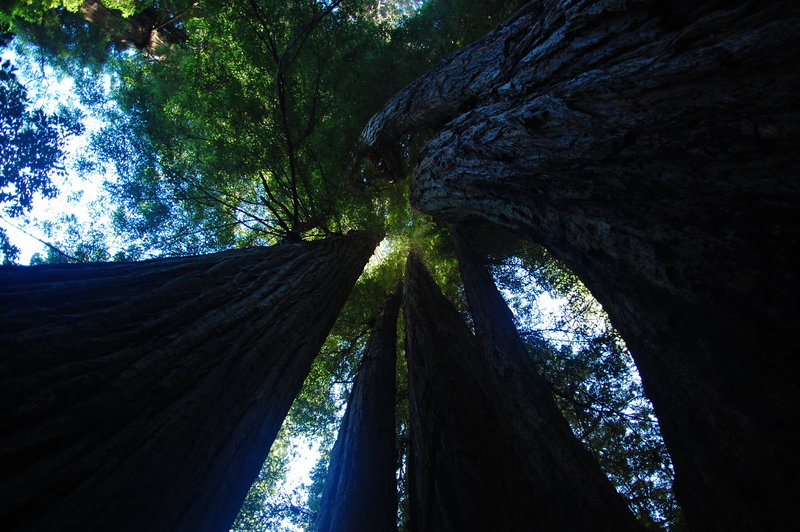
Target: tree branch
48	244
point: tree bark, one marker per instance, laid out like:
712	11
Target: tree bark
145	396
361	488
475	463
651	146
150	30
548	459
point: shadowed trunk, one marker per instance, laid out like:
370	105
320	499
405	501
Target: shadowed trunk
145	396
361	488
554	466
475	464
650	146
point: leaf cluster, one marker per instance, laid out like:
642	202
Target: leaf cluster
31	149
246	125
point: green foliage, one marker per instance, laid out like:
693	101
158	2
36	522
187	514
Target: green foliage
63	40
36	11
441	27
265	506
72	35
31	150
252	123
80	242
33	11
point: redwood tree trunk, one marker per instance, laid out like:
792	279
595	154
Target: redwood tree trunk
480	460
145	396
653	149
361	488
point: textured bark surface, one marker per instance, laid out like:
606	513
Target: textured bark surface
474	464
361	488
145	396
651	146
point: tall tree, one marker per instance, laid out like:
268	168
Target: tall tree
145	396
651	148
474	464
360	491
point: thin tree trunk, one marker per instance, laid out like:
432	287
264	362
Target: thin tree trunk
145	396
652	147
480	460
361	488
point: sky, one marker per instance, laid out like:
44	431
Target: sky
79	194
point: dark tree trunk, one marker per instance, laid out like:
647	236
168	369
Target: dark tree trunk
361	488
150	30
653	148
475	464
145	396
549	461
